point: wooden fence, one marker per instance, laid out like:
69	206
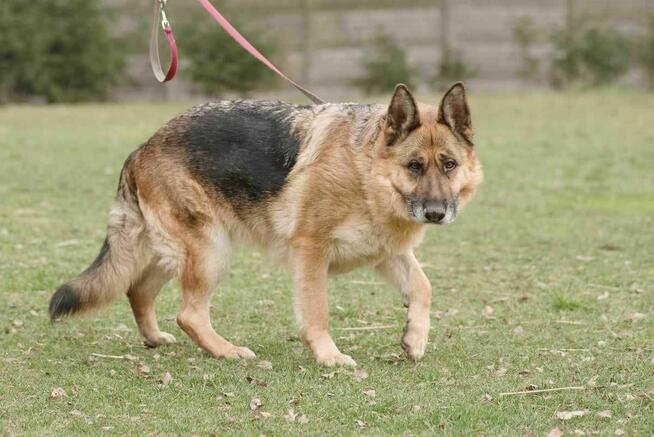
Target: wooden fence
322	43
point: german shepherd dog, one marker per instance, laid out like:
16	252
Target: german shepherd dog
323	188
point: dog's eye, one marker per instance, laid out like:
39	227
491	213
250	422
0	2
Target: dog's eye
415	166
449	165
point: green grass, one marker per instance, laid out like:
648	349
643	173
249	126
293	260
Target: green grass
559	243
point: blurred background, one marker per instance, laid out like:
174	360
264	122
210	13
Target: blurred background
80	50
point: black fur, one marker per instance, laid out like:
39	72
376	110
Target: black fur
245	151
104	252
64	303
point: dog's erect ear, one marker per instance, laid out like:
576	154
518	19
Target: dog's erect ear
402	115
454	111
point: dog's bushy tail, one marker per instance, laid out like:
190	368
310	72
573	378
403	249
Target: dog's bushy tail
117	264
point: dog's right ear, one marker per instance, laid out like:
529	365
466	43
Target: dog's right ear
402	116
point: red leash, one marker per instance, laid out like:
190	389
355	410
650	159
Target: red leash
159	13
155	60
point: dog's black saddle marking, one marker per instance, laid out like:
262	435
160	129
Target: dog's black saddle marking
245	150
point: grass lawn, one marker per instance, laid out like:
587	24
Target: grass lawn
545	281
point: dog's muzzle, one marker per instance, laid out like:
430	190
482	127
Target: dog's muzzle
432	211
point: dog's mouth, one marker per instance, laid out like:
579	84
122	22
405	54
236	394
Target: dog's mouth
421	214
418	213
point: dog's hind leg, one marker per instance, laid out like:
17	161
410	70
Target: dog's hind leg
405	273
142	295
205	263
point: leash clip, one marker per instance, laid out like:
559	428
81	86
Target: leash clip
162	11
165	24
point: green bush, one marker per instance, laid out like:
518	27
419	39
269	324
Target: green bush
59	50
385	66
588	55
218	64
646	52
452	68
526	35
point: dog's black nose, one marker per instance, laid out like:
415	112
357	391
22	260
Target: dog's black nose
434	216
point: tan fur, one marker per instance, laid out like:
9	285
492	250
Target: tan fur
341	208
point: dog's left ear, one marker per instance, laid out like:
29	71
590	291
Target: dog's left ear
402	116
454	111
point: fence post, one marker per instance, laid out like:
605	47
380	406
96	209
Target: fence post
305	41
571	13
445	27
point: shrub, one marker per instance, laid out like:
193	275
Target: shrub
525	35
385	66
453	68
588	55
59	50
219	64
646	52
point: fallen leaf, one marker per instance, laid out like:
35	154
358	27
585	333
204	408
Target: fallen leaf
567	415
361	423
166	379
58	393
370	393
592	382
606	414
255	404
635	316
556	432
121	327
359	375
518	330
500	372
329	375
290	416
144	368
18	323
487	398
265	365
254	381
487	312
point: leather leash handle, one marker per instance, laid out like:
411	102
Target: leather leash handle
159	16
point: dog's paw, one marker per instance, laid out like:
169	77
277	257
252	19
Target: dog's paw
238	352
414	342
336	359
160	339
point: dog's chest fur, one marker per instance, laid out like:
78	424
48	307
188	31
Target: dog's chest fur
288	171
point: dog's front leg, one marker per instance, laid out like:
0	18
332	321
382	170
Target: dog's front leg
405	273
310	268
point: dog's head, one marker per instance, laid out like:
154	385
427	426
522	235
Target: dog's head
425	159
